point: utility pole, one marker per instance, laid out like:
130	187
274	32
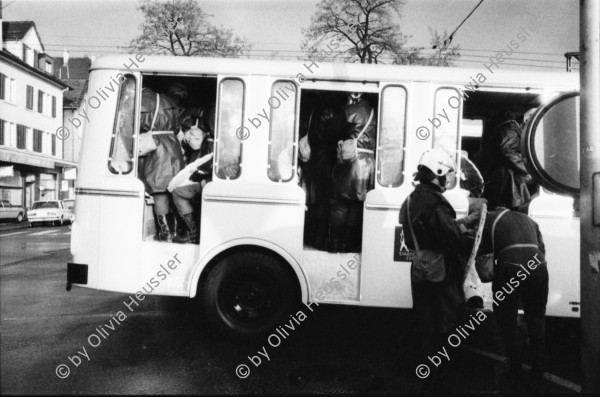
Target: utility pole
589	121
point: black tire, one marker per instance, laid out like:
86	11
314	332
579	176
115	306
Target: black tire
20	218
246	295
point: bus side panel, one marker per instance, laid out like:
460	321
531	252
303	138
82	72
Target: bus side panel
561	238
385	280
233	211
120	231
561	234
84	237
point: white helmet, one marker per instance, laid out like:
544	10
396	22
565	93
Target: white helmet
438	161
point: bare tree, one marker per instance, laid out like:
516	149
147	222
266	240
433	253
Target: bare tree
180	27
366	31
443	55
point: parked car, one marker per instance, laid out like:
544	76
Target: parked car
48	211
9	211
70	206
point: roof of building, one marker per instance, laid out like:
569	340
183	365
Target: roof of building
78	68
16	30
72	99
11	58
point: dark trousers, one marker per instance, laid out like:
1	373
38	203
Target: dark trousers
437	307
533	293
184	197
345	225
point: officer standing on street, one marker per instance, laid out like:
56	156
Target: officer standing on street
520	273
437	304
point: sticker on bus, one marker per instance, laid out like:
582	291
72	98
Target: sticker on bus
401	251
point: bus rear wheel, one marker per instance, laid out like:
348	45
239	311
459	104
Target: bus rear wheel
248	294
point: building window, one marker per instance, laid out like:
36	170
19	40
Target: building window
29	97
53	106
21	137
2	133
37	141
40	101
7	88
3	83
53	145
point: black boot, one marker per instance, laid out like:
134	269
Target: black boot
164	233
191	236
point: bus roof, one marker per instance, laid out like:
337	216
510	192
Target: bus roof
490	75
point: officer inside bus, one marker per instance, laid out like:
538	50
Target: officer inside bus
158	167
187	186
501	162
353	131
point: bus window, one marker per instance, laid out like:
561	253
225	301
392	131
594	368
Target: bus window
392	130
231	118
447	112
121	147
282	151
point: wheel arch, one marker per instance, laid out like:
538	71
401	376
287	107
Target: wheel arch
204	267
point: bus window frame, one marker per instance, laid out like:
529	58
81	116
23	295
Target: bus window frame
135	135
217	138
295	136
379	130
456	154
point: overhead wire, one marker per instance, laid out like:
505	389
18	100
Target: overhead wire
451	36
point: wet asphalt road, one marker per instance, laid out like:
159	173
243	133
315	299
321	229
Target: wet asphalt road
165	347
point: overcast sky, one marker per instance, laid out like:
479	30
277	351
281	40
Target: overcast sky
96	27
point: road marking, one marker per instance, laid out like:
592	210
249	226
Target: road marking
547	375
44	232
12	234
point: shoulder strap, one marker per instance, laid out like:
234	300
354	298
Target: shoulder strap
366	125
494	226
412	232
310	120
155	111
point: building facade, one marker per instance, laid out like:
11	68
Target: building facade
32	163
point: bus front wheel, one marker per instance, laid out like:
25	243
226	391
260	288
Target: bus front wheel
248	294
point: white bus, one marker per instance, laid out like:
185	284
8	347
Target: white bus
252	266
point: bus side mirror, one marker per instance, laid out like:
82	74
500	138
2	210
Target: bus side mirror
551	144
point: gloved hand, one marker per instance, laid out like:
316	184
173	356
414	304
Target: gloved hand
470	220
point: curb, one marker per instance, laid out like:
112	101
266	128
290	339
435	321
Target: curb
14	226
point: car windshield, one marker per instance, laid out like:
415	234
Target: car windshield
45	204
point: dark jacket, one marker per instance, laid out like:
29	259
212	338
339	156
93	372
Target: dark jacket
434	224
513	228
502	165
160	166
437	306
352	181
